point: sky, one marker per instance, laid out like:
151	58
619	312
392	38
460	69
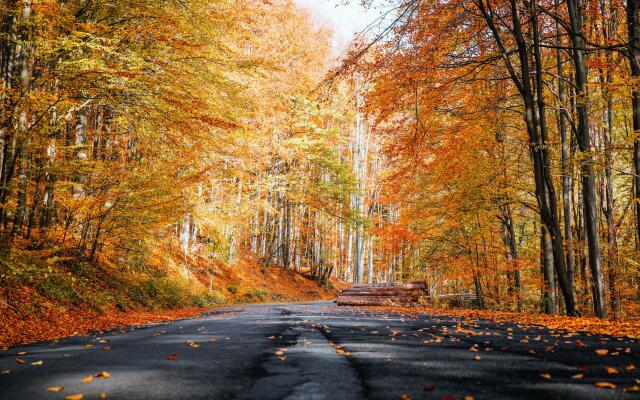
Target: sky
346	20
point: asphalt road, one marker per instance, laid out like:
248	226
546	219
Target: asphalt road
319	351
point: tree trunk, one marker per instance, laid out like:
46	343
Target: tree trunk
22	180
370	259
549	302
509	239
633	28
567	173
584	144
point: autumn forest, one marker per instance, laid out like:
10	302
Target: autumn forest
163	154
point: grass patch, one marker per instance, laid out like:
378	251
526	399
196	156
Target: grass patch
254	294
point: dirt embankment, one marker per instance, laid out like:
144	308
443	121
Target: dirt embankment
42	299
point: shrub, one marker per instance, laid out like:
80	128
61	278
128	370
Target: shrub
57	287
216	297
197	300
158	293
233	289
256	294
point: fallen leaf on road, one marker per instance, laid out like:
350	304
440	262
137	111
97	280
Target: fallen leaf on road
172	356
632	389
605	385
102	395
5	372
477	358
106	348
580	343
611	371
19	360
282	358
602	352
405	397
545	376
21	353
39	362
631	367
78	396
55	389
88	379
577	376
468	397
103	375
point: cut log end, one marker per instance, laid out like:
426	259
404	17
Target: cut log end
386	294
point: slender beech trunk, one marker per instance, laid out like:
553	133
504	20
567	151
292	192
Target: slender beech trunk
359	167
633	29
477	280
23	122
584	144
22	181
23	126
549	302
606	80
286	242
255	227
8	40
370	259
509	238
567	173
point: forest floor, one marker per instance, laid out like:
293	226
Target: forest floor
55	297
582	325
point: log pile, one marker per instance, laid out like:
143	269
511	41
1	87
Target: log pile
384	294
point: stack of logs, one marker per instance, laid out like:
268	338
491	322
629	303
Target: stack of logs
384	294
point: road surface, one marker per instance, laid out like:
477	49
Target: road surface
319	351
